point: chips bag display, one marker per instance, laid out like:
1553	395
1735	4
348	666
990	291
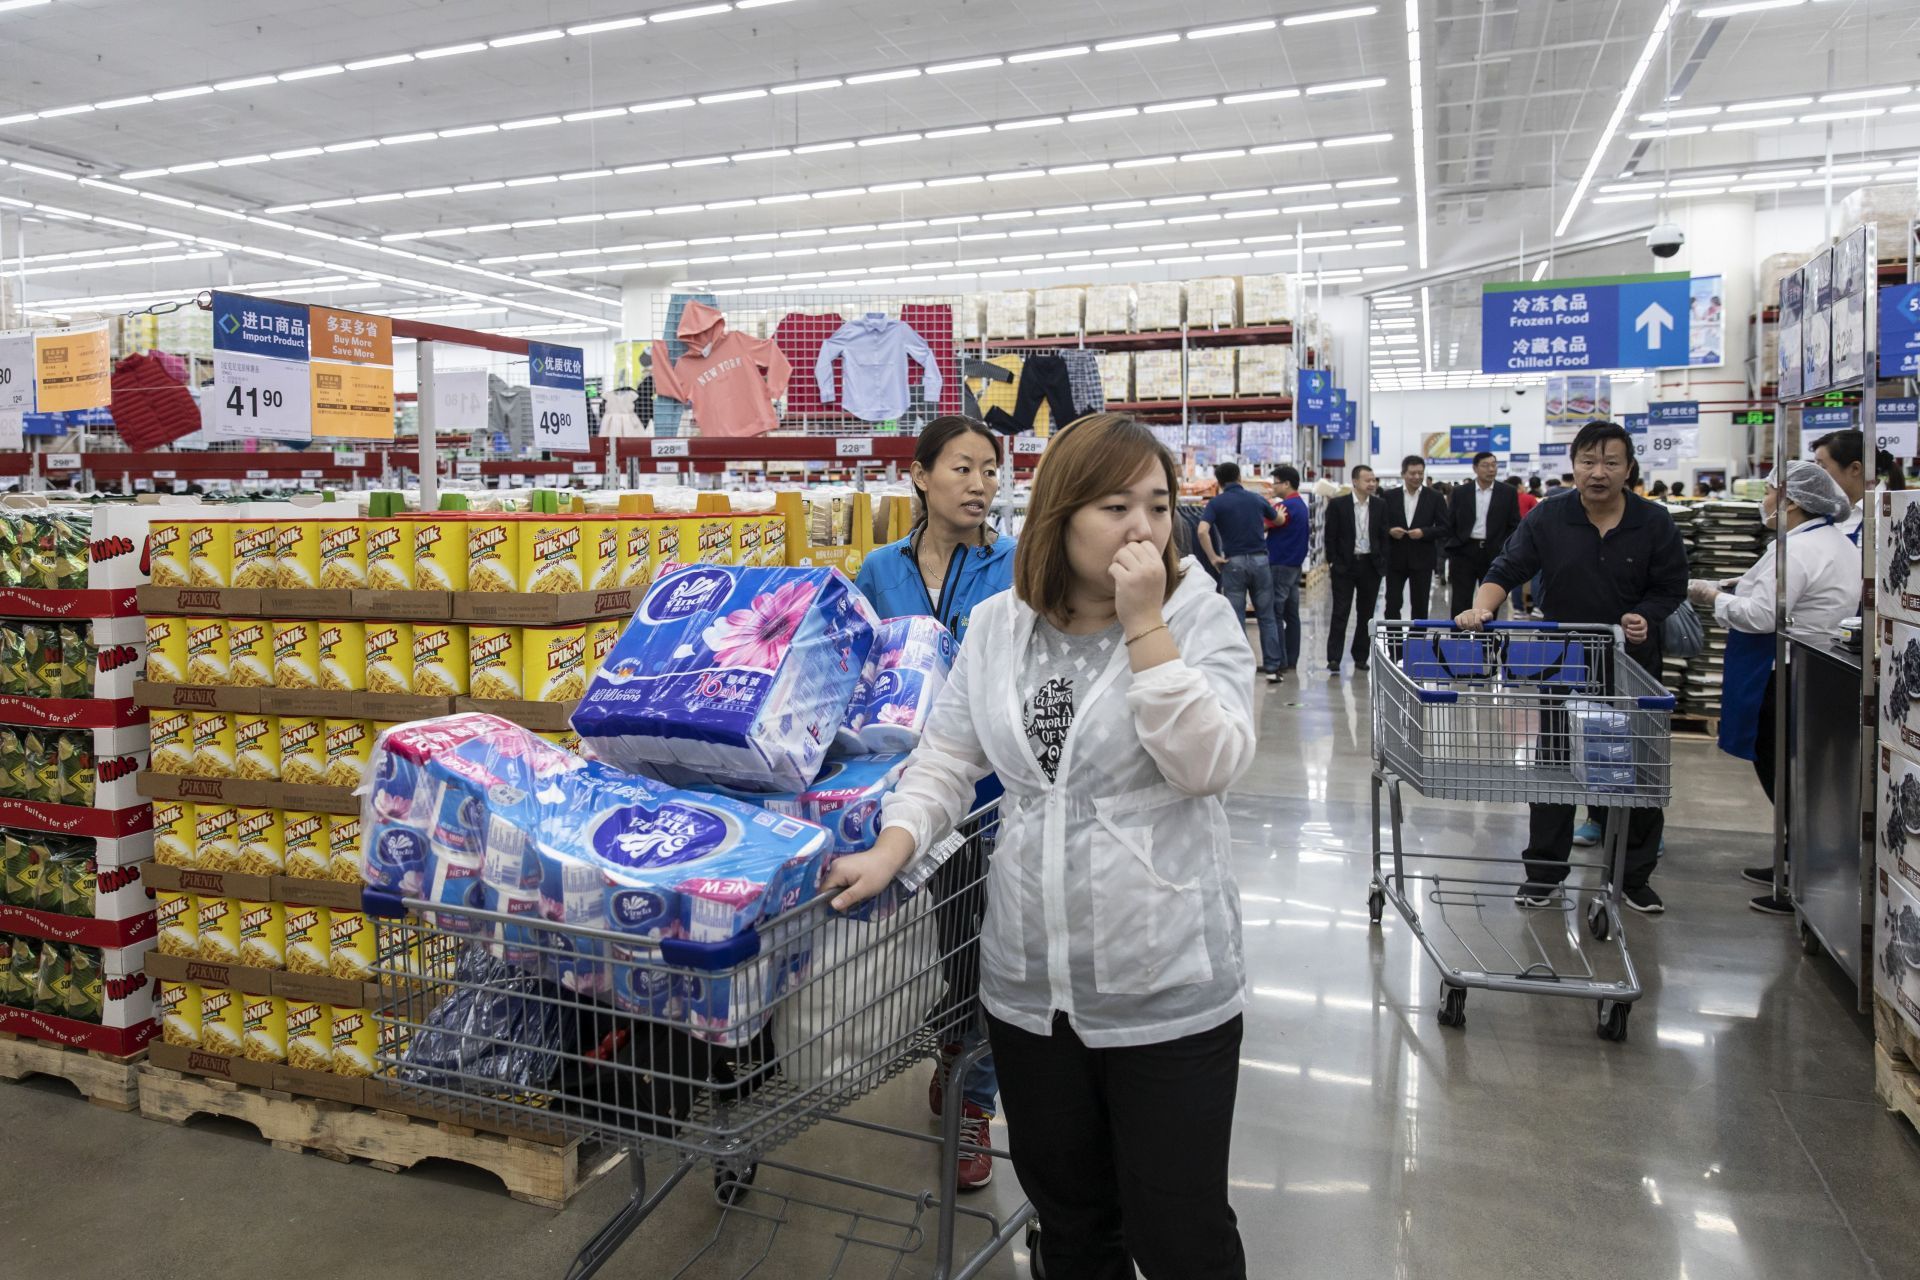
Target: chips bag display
343	555
439	659
389	657
296	654
178	1004
207	653
390	554
343	655
439	554
306	847
256	555
166	650
250	653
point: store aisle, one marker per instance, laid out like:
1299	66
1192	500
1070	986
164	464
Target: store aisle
1733	1135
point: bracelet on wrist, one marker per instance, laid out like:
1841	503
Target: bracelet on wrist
1144	634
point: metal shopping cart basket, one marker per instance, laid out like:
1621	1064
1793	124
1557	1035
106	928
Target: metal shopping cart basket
1522	712
713	1054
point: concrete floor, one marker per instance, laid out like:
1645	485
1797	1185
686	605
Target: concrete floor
1734	1134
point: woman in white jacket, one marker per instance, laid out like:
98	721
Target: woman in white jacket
1112	692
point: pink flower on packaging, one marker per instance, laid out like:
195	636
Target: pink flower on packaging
895	713
759	636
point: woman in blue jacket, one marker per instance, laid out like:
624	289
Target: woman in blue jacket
950	563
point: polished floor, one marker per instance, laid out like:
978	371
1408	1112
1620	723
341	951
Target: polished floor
1734	1133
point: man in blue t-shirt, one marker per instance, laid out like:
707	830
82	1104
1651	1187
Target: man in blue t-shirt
1287	537
1240	517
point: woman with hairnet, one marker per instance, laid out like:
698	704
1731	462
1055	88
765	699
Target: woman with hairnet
1823	587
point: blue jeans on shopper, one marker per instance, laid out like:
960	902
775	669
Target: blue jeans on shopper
1243	574
1286	608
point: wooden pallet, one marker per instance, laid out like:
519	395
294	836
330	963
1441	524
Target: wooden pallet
1896	1051
104	1080
536	1173
1707	727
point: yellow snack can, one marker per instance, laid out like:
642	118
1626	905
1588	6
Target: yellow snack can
494	662
179	1004
636	551
263	1028
439	554
173	834
219	927
343	554
167	650
213	744
306	939
493	555
216	836
389	657
309	1035
356	1036
555	659
747	532
350	946
609	564
206	650
222	1020
439	659
303	751
349	748
167	553
263	934
249	653
297	559
343	656
557	554
304	837
773	542
170	743
343	848
210	553
296	654
256	554
390	555
262	837
256	746
666	545
601	637
176	924
713	540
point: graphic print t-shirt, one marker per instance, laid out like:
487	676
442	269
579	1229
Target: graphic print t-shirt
1059	671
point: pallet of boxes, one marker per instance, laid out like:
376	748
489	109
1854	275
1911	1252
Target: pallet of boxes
280	645
76	838
1896	926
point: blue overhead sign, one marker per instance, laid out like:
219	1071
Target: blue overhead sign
1826	419
1900	331
259	326
1904	410
1342	416
1316	398
1674	413
1602	322
1467	441
1553	449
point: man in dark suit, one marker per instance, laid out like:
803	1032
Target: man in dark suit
1481	516
1357	555
1416	520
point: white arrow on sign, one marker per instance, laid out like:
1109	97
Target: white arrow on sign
1651	320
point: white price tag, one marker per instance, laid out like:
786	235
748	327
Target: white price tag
313	475
61	461
1029	444
672	447
586	468
180	486
16	371
166	475
258	397
667	468
1901	439
460	401
466	468
559	419
256	475
853	447
13	428
350	458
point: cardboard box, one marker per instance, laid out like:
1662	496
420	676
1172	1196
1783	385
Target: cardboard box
124	851
200	602
261	1075
545	610
122	893
1213	303
71	713
72	820
423	606
315	989
231	977
1265	300
334	895
52	926
1109	309
317	703
1116	374
196	697
399	707
1057	311
1210	373
1897	532
1897	816
1266	370
1899	708
541	717
120	1041
1010	314
120	655
1896	947
307	604
212	884
1159	307
1156	375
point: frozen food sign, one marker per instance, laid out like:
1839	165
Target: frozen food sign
1602	322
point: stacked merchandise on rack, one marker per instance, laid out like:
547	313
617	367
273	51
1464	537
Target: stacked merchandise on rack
1724	540
1896	928
1673	669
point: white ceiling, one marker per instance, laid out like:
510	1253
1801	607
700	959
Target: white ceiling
1515	96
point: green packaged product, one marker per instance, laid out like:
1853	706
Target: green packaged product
9	552
27	561
76	661
11	988
86	985
48	668
51	980
64	550
20	964
13	659
43	766
81	885
13	870
55	880
33	873
33	639
15	779
76	769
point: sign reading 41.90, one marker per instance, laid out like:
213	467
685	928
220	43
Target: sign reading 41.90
258	397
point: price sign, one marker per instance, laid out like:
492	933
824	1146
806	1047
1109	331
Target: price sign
673	447
466	468
1901	439
62	461
259	397
1665	446
557	379
351	458
16	371
312	475
585	468
1029	445
166	475
256	475
667	468
13	428
853	447
180	486
460	401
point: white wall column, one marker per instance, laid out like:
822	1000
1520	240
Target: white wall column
641	306
1720	242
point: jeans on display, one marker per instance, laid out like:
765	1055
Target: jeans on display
1041	378
1241	575
668	413
1124	1151
1286	610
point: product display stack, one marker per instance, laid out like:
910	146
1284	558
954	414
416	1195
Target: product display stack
76	910
1724	541
1896	936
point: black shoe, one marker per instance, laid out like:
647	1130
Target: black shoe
1333	668
1274	677
1644	900
1759	875
1535	897
1767	904
1359	665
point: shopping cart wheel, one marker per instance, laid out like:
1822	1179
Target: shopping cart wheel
1453	1005
1376	903
1036	1268
1613	1020
730	1188
1598	924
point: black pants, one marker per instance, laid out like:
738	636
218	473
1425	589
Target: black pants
1124	1151
1466	566
1041	378
1403	576
1765	748
1550	841
1359	582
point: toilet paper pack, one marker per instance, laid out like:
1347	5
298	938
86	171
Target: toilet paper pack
1601	746
908	667
845	798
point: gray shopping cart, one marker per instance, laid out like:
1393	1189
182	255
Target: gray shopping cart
1522	712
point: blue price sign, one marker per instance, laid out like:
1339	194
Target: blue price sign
1900	331
1907	410
1602	322
1552	449
1674	413
1826	419
259	327
557	376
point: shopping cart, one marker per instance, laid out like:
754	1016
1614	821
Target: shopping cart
713	1054
1522	712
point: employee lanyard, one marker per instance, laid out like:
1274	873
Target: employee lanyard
946	585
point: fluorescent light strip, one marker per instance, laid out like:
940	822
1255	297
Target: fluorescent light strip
1627	91
1417	92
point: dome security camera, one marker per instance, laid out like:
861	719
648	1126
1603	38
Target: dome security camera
1665	240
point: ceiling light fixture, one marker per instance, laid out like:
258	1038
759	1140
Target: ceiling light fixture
1627	91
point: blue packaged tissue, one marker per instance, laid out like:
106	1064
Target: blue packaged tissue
908	667
733	676
1600	746
845	798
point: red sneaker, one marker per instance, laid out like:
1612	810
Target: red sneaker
976	1167
937	1087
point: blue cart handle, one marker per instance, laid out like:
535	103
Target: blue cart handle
1431	696
1657	702
380	903
711	957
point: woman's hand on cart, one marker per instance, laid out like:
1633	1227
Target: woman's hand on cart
862	875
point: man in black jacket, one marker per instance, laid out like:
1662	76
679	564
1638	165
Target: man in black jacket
1607	556
1416	519
1480	518
1357	555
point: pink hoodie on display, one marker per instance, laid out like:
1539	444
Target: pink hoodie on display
731	380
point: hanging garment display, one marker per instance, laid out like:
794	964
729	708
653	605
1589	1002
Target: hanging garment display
731	380
1083	376
934	322
986	374
1043	378
510	413
1000	395
151	406
800	337
670	412
621	419
873	352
